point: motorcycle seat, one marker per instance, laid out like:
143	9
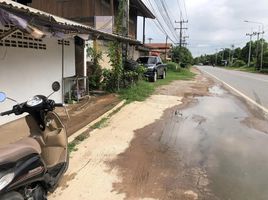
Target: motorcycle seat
20	149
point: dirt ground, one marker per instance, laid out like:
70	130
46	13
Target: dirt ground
126	160
80	114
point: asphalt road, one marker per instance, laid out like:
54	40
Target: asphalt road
251	86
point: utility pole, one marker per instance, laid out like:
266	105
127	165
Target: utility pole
125	32
181	28
184	43
150	40
232	59
250	44
258	67
125	27
262	42
166	48
216	57
223	56
229	59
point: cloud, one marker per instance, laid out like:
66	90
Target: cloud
217	23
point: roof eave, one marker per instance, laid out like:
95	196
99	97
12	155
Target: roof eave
145	11
43	18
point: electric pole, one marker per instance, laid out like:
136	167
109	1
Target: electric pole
181	28
250	43
216	57
125	27
166	48
232	59
258	67
150	40
184	43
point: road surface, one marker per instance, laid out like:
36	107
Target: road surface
191	140
252	86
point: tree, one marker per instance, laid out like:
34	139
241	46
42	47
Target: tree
182	55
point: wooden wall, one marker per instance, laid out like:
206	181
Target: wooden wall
83	11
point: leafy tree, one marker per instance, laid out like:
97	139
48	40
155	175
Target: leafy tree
182	55
239	54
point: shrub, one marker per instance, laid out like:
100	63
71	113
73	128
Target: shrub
95	69
239	63
172	66
265	71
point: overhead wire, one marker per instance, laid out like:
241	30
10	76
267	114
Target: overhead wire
169	20
158	23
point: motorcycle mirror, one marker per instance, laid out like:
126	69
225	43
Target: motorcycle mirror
56	86
3	97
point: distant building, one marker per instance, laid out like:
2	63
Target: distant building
160	49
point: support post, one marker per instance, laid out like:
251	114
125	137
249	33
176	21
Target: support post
62	68
143	41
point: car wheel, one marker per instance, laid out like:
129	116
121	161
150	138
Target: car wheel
164	75
154	78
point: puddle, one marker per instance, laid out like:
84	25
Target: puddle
216	90
209	136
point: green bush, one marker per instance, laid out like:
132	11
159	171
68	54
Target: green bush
128	78
172	66
265	71
94	70
239	63
109	81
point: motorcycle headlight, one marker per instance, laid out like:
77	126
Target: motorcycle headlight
34	101
6	179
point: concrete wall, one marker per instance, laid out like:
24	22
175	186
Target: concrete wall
29	67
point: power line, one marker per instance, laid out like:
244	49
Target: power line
185	10
166	20
159	24
171	26
180	14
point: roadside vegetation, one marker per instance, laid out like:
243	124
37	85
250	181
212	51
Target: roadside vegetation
143	89
237	58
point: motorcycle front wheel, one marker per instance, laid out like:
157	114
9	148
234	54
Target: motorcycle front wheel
11	196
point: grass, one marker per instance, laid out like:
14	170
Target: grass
244	69
101	124
143	89
72	146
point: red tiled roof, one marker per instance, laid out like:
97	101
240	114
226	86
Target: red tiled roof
159	45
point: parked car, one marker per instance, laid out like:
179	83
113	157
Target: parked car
155	67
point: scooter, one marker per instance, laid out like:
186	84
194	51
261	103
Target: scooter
32	167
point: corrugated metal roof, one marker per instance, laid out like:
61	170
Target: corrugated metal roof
143	10
46	19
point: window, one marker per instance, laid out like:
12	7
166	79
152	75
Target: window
20	40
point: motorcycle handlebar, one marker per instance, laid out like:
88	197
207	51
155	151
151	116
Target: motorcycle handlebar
58	105
7	113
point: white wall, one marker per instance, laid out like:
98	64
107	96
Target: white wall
25	72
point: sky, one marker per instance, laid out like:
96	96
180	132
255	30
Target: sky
213	24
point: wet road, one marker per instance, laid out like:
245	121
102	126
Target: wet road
212	137
254	86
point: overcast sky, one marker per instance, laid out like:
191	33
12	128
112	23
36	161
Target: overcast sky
213	24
